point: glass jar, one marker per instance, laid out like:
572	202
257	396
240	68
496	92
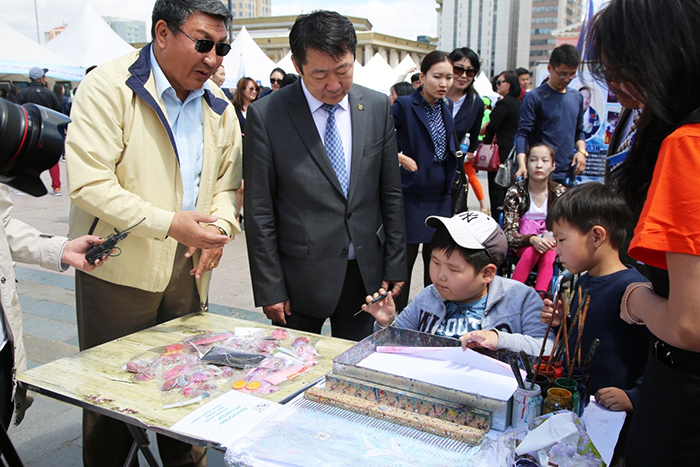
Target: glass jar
572	387
527	405
581	377
557	399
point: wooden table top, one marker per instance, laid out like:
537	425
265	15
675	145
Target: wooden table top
97	372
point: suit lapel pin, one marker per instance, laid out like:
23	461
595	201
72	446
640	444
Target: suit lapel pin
360	107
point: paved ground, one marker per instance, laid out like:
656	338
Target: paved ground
50	435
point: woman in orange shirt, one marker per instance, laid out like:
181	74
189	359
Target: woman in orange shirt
661	183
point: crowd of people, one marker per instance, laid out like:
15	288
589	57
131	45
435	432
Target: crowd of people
345	187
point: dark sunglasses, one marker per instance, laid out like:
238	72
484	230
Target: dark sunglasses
205	45
499	82
459	71
273	81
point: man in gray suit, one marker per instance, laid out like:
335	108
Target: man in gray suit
323	205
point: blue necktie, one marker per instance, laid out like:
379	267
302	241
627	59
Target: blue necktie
334	147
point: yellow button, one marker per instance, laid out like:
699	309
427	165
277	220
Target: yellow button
239	384
253	385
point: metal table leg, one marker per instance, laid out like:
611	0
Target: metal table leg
140	443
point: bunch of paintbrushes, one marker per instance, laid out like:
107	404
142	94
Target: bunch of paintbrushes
561	342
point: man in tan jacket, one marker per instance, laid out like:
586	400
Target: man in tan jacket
152	139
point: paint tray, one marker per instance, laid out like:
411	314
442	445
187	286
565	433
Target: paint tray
346	364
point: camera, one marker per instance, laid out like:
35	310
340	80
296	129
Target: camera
31	141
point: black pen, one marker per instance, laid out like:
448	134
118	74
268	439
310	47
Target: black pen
374	300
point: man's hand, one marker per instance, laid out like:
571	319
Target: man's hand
483	339
548	309
542	245
384	311
614	399
469	157
277	312
579	161
407	163
522	166
74	253
186	229
209	259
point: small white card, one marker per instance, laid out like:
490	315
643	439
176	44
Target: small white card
228	417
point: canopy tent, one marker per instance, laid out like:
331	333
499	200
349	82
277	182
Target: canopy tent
484	88
246	59
88	40
19	53
377	74
286	64
405	68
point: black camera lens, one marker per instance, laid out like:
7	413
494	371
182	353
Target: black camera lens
31	141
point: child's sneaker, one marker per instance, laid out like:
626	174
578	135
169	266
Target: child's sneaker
57	192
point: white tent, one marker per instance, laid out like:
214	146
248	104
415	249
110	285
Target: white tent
484	88
19	53
286	64
377	74
406	67
88	40
246	59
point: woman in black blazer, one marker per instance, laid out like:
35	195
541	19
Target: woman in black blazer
468	111
503	126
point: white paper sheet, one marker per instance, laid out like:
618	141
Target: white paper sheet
453	354
226	418
603	427
445	373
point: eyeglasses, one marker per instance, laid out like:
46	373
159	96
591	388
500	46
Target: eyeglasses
275	81
205	45
564	76
499	82
459	71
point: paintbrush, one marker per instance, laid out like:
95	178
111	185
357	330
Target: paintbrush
538	362
516	373
526	363
577	349
551	360
581	299
567	307
591	352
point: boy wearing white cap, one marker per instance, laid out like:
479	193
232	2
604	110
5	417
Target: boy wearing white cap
467	300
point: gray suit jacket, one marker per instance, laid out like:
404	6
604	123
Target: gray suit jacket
298	224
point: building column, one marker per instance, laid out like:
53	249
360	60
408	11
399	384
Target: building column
416	58
368	54
382	52
394	58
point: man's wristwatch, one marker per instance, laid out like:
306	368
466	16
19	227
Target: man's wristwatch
584	152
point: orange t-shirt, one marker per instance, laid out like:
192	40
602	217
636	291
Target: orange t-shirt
670	219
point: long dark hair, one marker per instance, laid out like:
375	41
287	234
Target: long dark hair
662	70
238	97
511	77
461	53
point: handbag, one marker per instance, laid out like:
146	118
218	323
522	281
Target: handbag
505	177
459	188
487	157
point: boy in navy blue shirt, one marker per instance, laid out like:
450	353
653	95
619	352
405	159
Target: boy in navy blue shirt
588	223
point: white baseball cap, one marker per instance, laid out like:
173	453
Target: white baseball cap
474	230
